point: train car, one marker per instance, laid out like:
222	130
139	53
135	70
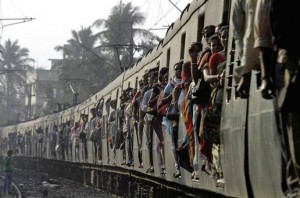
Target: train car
250	149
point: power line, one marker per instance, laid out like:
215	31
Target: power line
21	20
174	5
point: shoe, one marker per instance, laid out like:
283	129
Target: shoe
177	174
221	183
150	170
196	177
163	171
115	163
100	162
141	165
123	163
193	174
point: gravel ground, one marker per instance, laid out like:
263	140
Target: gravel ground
39	185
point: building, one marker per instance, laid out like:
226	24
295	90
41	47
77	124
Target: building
42	86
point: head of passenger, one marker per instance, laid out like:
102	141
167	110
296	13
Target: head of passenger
215	43
93	112
153	75
129	93
141	84
76	124
99	108
208	31
219	26
186	71
163	75
113	104
224	31
145	78
178	69
123	97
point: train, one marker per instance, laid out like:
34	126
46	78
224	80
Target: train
250	148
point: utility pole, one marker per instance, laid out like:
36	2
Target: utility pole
131	45
75	95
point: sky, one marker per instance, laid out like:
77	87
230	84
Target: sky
53	21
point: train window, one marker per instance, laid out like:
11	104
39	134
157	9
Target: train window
200	27
117	95
182	49
168	57
107	105
226	13
136	83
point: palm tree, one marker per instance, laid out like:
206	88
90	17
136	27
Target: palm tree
119	33
14	62
79	45
82	69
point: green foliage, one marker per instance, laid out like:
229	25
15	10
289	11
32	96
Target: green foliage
91	61
14	63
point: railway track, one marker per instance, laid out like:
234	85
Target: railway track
15	192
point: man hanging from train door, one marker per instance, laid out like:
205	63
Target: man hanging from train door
273	39
138	114
242	19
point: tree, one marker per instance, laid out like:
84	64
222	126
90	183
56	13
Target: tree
14	62
120	35
83	71
91	61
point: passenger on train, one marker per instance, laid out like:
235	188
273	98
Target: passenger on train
199	57
75	130
128	125
206	146
242	19
180	94
170	125
214	73
52	141
100	128
136	102
273	39
152	123
121	140
40	136
66	133
92	132
28	142
158	87
60	151
70	141
83	136
112	126
141	123
219	26
20	143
